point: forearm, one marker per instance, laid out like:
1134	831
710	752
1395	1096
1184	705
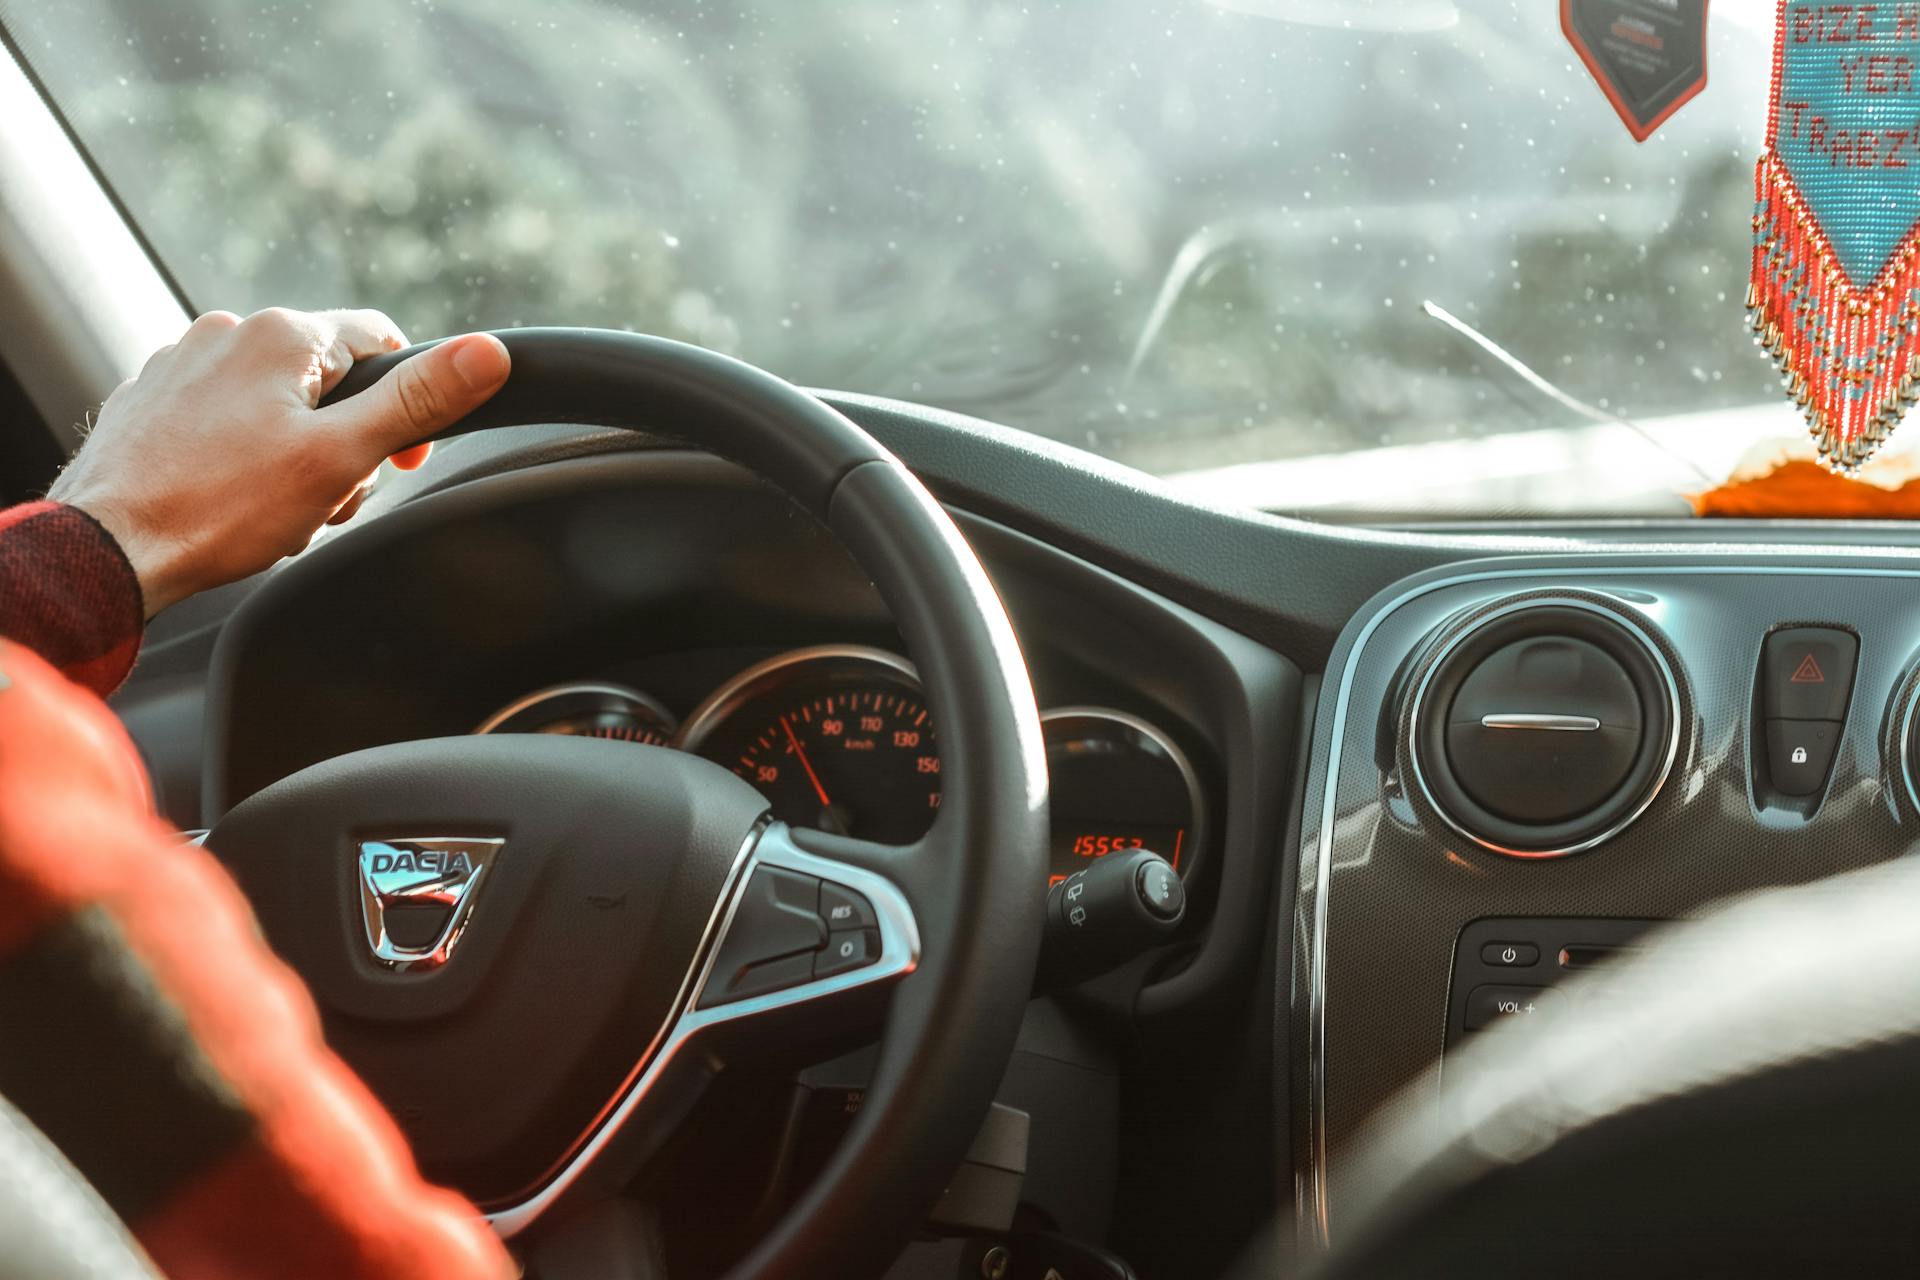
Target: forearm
149	1033
68	593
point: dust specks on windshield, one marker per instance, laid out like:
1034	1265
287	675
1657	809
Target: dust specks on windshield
1193	236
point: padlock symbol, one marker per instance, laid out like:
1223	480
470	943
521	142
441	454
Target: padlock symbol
1799	755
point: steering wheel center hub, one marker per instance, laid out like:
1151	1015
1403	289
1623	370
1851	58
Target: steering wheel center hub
496	984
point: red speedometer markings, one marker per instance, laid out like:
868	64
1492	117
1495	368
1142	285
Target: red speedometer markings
840	752
805	763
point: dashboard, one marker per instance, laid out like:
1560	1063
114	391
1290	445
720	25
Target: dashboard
839	739
1412	779
1526	765
668	600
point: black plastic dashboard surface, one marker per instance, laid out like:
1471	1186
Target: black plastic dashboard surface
1299	591
1386	887
669	571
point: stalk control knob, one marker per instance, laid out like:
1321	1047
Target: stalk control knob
1107	913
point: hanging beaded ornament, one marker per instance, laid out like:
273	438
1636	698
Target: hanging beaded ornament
1835	292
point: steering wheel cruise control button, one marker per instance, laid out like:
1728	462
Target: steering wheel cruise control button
1808	674
774	975
842	908
847	949
1510	955
1799	752
778	917
1491	1004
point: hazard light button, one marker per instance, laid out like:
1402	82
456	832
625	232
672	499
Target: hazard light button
1808	673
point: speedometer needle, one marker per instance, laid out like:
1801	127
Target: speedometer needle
806	764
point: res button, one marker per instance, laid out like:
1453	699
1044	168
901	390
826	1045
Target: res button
842	908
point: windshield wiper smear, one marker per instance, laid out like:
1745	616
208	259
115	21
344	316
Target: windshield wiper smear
1519	369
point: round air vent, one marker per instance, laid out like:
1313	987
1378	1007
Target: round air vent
1544	728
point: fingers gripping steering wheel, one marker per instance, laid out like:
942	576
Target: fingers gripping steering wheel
565	1039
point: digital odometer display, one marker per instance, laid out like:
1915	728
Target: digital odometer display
836	742
1117	784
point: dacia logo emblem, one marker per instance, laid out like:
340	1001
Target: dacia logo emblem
417	895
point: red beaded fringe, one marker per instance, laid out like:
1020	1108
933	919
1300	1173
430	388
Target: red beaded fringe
1849	358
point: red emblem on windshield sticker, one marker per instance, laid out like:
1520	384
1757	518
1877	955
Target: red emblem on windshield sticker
1835	294
1650	56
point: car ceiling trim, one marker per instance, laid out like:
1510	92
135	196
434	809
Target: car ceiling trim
72	260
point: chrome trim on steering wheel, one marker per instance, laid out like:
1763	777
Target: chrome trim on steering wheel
770	845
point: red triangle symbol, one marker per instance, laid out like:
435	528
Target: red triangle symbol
1808	672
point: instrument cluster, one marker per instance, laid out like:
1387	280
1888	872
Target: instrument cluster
839	739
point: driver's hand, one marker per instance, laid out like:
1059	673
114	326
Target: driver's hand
215	462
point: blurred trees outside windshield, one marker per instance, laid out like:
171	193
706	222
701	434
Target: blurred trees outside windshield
1178	233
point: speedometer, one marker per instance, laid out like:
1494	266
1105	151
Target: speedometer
588	710
837	738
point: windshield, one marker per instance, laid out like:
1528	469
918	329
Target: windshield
1395	257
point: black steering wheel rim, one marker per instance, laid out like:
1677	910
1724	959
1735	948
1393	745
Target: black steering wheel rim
951	1023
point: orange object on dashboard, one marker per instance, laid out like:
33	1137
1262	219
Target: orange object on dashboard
1800	488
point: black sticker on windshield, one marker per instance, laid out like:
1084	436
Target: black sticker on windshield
1650	56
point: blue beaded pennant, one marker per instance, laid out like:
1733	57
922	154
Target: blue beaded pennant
1835	293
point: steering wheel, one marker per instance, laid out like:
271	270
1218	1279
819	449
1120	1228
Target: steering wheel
537	950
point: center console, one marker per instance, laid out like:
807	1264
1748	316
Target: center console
1522	766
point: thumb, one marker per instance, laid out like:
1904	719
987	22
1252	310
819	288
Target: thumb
425	394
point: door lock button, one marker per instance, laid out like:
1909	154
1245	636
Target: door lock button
1799	752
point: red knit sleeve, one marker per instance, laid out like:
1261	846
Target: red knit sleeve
68	593
147	1030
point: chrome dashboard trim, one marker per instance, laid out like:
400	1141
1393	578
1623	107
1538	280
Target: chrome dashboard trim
1507	611
1540	720
1904	748
1196	798
601	687
718	705
1311	1201
769	845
